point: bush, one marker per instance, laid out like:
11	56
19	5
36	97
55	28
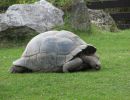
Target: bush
5	3
10	2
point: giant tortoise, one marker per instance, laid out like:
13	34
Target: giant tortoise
57	51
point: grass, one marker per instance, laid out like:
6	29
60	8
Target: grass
112	82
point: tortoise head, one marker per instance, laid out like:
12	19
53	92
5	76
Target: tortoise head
91	59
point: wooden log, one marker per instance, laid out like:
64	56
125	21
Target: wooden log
121	16
108	4
123	26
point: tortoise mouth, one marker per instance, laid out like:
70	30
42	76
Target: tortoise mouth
87	66
97	67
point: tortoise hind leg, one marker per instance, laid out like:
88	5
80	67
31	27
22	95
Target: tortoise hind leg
19	69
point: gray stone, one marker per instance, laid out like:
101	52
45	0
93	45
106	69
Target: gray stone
3	26
40	16
80	17
102	20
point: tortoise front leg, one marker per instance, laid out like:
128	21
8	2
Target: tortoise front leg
73	65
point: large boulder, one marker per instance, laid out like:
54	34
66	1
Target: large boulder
102	20
40	16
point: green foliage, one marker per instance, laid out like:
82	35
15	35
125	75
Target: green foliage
6	3
10	2
62	4
110	83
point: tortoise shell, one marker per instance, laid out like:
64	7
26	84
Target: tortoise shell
49	51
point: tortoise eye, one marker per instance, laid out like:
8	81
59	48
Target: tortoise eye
97	57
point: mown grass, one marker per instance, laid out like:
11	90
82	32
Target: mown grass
112	82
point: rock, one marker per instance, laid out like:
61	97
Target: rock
3	26
80	17
102	19
40	16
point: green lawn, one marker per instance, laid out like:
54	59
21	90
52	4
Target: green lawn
112	82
